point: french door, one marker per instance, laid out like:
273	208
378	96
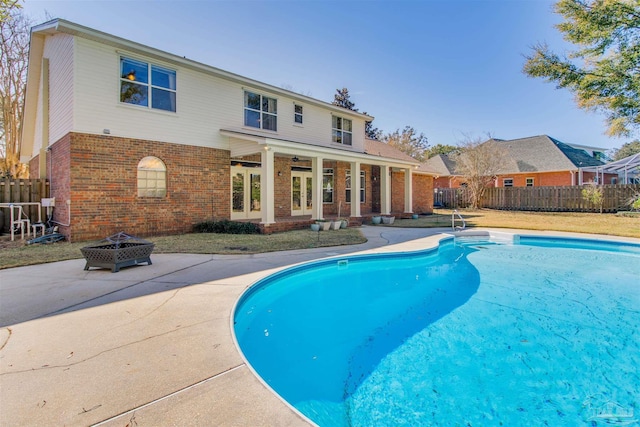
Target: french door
245	193
301	193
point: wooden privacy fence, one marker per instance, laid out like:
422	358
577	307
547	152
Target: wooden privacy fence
21	191
548	199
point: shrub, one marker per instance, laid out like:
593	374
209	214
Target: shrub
634	202
593	194
226	227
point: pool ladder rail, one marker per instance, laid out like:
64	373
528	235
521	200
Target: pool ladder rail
453	221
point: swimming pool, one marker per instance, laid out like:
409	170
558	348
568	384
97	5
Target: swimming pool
525	331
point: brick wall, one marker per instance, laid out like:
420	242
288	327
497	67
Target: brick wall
97	175
102	173
422	194
397	191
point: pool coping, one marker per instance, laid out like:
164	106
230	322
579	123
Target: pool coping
153	344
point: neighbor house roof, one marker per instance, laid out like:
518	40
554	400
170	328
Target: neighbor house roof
540	153
545	154
441	165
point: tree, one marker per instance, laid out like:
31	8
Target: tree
627	149
342	99
441	149
479	163
604	71
408	141
370	131
14	52
5	8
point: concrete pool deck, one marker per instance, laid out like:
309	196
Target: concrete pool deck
150	345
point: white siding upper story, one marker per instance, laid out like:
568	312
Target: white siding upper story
85	97
60	96
60	51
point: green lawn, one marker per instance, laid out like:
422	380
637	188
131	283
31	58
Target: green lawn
14	254
593	223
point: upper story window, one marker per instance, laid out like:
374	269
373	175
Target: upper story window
529	182
297	114
147	85
152	177
260	111
342	130
507	182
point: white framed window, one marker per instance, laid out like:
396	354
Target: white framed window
507	182
530	182
147	85
297	114
341	130
348	186
260	111
152	177
327	185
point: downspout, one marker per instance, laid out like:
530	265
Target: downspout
45	130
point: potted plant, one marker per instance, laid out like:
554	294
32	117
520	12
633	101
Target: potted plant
376	219
388	219
414	216
315	227
344	223
335	225
324	224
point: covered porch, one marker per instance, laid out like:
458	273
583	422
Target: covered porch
285	185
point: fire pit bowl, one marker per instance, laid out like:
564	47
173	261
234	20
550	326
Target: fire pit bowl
119	250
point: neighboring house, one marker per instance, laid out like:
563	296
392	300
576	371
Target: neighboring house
444	169
533	161
138	140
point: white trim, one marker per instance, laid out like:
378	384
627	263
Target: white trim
308	150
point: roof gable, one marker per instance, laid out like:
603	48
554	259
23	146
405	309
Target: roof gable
544	154
441	164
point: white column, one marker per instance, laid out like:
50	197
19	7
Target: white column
316	170
408	190
385	190
355	189
267	193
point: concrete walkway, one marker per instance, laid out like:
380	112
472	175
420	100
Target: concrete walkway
148	346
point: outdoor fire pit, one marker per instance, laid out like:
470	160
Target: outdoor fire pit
119	250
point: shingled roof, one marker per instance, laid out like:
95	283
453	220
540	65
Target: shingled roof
381	149
441	165
533	154
545	154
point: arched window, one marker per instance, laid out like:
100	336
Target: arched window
152	177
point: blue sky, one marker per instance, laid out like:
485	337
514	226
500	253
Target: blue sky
450	69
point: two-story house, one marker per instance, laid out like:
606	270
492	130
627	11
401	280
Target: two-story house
139	140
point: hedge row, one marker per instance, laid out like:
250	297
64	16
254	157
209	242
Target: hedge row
226	227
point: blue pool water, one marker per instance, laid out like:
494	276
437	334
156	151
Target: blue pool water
473	333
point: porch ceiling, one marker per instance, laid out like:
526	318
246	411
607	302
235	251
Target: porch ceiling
245	144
